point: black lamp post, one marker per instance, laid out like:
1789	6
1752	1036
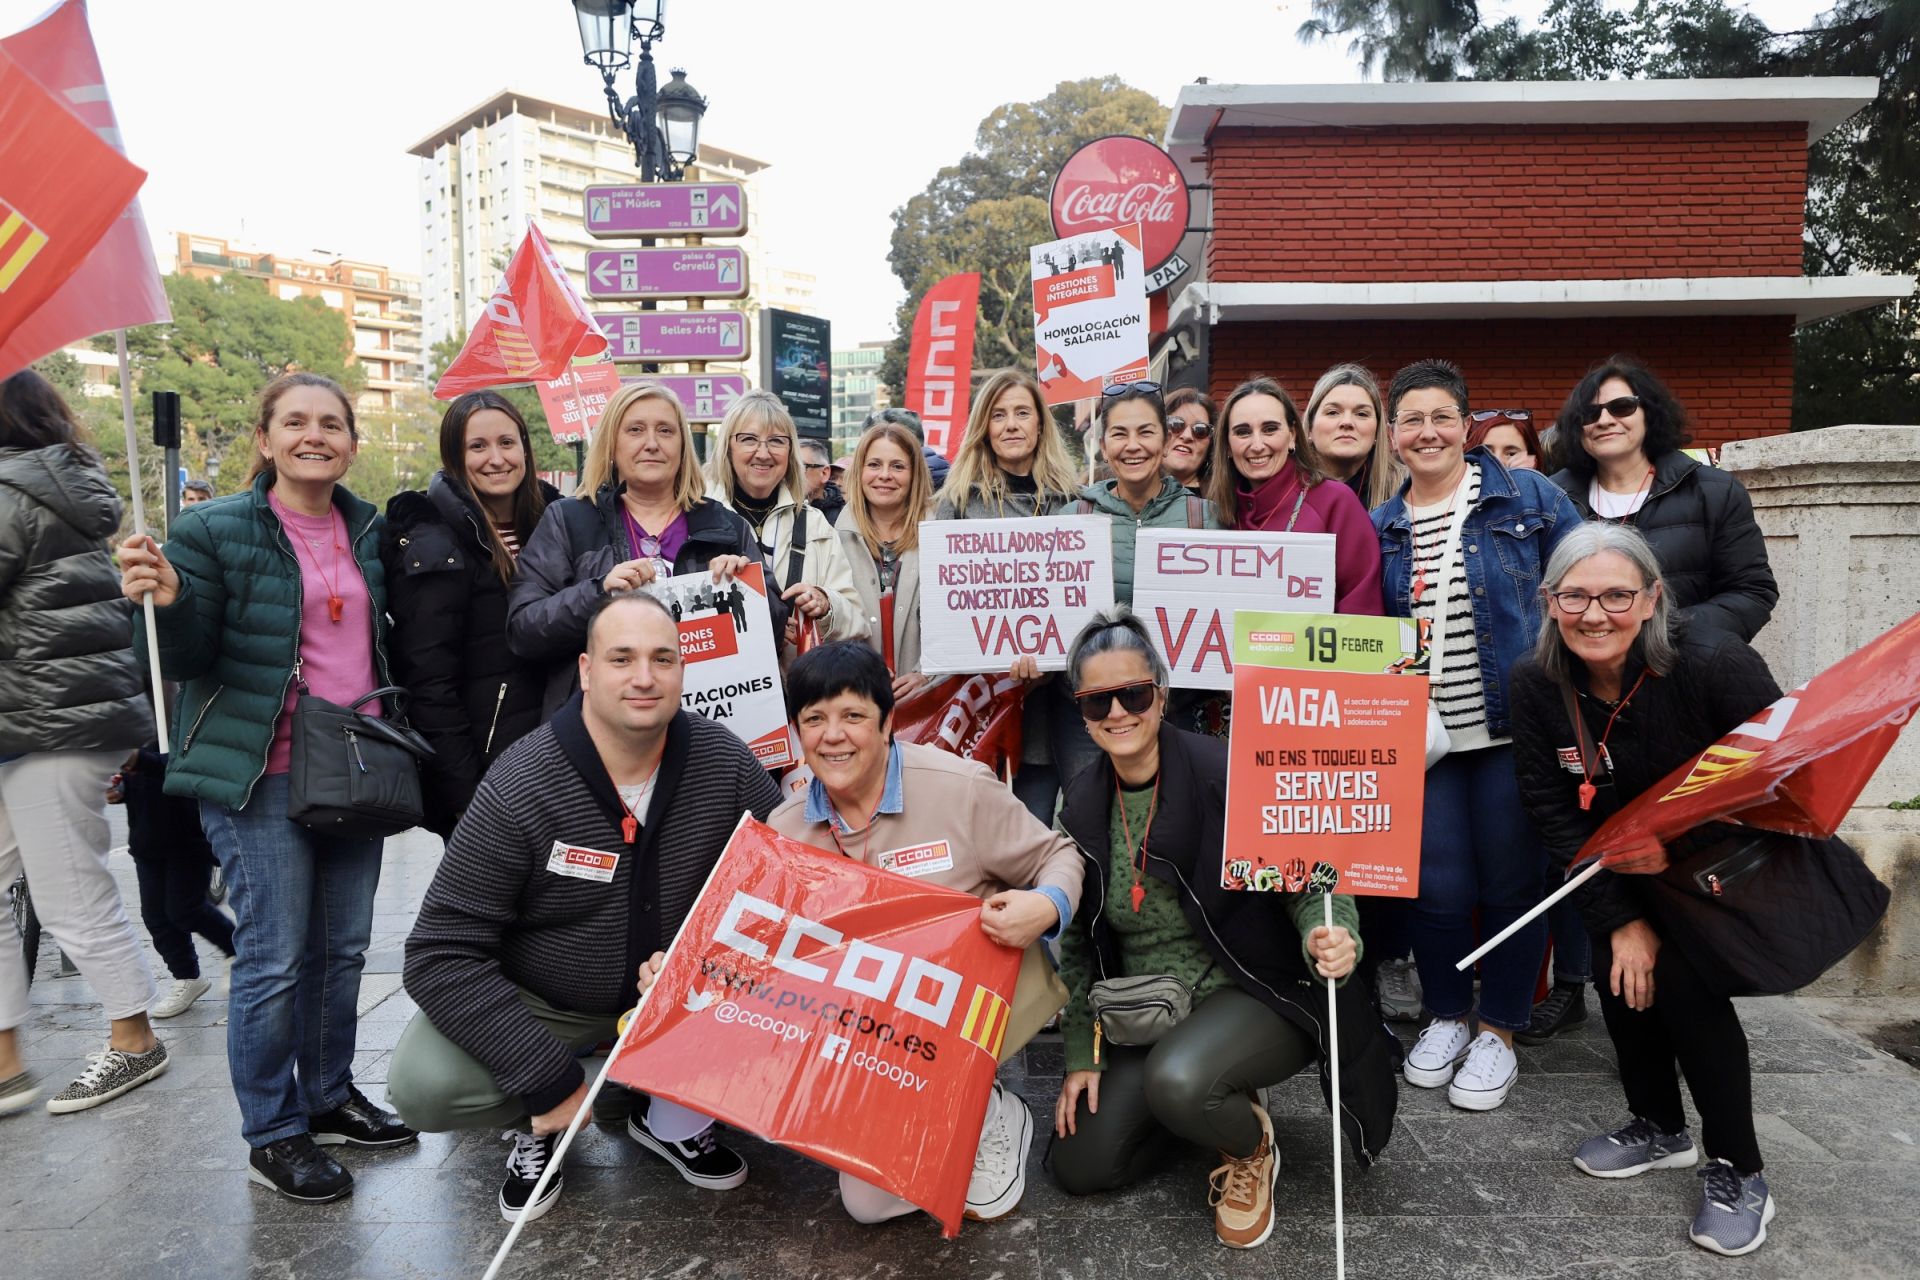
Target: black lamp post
662	124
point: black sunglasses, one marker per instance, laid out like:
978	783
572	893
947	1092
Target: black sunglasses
1133	698
1143	387
1619	407
1199	428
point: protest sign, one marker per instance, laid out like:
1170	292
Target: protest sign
850	1014
1089	312
992	591
1326	768
575	400
1187	584
733	664
1323	641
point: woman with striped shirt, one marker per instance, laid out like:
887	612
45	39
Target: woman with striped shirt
1463	545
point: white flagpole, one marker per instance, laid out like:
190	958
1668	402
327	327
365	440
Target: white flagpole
1521	923
599	1081
1333	1066
140	527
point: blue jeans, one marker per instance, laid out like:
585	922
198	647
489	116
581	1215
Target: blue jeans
303	908
1477	851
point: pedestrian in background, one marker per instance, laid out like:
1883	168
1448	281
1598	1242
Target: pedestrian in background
72	704
1620	435
1508	435
824	493
892	492
174	864
1190	418
1464	544
260	597
641	512
195	491
449	555
1349	432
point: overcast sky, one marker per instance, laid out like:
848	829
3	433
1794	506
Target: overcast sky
287	125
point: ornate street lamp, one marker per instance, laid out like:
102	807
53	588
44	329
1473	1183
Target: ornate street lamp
681	107
662	125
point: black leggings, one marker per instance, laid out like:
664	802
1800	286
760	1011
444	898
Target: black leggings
1691	1025
174	907
1198	1082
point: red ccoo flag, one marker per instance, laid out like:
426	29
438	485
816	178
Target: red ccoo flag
118	285
534	325
61	188
940	361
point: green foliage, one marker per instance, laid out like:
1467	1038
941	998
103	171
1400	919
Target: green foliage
1587	40
1400	39
984	212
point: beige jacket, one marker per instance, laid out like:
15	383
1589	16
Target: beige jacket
906	596
823	564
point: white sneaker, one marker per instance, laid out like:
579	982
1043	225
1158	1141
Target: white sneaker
1000	1161
180	999
1441	1047
1483	1082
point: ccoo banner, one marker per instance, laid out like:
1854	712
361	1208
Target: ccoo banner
940	361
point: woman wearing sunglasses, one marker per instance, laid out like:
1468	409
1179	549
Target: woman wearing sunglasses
1508	435
1267	476
1149	820
1190	418
1652	692
1132	429
1347	428
1620	433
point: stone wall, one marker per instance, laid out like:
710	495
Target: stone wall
1840	509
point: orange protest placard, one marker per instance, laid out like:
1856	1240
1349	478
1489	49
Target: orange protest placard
1326	771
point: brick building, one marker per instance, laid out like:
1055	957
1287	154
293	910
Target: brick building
1524	230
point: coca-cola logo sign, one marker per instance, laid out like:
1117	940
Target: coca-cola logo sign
1116	180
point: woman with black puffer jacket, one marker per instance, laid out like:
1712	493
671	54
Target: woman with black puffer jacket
450	554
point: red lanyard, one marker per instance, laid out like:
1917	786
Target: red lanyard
1138	857
1588	771
630	825
336	607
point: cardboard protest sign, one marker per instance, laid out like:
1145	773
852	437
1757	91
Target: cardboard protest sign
1326	768
850	1014
1188	582
1089	312
733	666
992	591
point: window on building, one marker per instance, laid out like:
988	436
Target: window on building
334	298
288	292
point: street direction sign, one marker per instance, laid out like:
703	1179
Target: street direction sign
702	272
707	396
667	208
675	335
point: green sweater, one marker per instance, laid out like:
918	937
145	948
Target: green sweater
1157	939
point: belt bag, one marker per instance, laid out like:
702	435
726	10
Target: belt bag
1137	1011
355	776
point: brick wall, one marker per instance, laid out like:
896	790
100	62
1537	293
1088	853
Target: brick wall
1507	202
1733	373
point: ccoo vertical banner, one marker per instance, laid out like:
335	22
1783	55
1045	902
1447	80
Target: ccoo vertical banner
940	361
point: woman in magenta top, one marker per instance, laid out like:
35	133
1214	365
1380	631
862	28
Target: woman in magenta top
1266	476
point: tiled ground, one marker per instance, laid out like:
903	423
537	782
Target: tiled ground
151	1186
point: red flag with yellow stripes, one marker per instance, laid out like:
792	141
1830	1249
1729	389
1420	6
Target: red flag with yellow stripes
533	326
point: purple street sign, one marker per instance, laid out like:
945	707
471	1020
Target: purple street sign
707	396
667	273
667	208
675	335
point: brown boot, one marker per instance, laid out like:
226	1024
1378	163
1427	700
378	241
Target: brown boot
1242	1196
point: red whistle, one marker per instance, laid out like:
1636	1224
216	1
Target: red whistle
1587	791
629	828
1139	896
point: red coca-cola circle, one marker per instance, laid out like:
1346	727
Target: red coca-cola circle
1116	180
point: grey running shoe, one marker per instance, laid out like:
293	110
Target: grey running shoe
1734	1211
1400	994
108	1075
1635	1147
17	1092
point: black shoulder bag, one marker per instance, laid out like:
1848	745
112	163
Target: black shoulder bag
355	775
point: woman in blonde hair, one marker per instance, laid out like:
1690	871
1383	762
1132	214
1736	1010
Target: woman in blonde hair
888	494
1349	435
1012	463
754	472
641	511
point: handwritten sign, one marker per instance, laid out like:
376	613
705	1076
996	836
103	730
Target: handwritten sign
732	665
992	591
1187	584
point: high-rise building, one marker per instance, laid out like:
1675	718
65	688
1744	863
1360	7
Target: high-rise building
381	305
857	392
514	159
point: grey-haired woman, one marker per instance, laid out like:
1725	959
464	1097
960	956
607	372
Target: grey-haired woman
1653	693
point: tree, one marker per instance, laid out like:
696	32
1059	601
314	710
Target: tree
1401	39
984	212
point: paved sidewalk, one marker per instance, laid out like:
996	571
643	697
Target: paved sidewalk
152	1185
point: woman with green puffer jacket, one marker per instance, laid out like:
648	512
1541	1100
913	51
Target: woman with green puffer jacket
259	597
1133	440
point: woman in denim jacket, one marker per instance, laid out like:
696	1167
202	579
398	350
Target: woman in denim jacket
1462	546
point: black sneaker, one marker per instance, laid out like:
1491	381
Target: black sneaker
1565	1006
358	1122
299	1170
701	1159
525	1164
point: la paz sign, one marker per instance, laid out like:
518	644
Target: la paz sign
1116	180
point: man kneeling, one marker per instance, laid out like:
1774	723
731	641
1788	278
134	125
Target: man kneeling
582	852
922	812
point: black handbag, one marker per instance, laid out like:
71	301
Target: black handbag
355	775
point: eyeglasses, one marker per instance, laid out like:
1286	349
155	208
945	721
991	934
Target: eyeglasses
1128	388
1442	420
1618	407
774	444
1511	415
1199	428
1574	603
1133	699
